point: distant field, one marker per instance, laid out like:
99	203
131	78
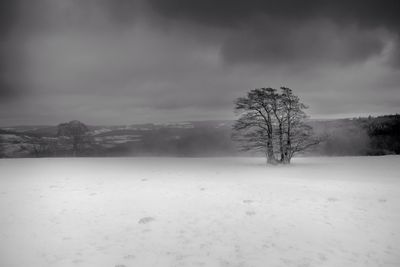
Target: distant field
199	212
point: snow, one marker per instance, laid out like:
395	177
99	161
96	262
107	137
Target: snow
188	125
119	139
100	131
199	212
12	137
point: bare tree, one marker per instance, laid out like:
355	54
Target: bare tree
270	120
75	131
255	125
2	154
298	135
43	146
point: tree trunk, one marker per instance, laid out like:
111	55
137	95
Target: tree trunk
286	159
288	152
288	148
270	148
270	152
75	146
281	143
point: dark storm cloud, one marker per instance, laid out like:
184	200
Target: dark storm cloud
22	20
8	19
56	15
11	70
150	60
273	31
8	16
317	42
232	13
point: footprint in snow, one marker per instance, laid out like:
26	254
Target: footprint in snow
145	220
250	213
144	180
322	257
382	200
77	261
129	257
332	199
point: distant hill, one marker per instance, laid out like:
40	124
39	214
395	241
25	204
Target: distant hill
358	136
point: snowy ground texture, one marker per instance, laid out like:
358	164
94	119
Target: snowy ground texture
199	212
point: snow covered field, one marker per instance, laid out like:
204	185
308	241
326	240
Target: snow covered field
199	212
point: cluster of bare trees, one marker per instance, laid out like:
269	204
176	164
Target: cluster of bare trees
71	137
42	146
74	132
272	121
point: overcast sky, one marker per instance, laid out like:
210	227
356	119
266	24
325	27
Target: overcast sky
125	61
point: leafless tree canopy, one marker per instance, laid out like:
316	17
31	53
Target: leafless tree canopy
75	131
272	121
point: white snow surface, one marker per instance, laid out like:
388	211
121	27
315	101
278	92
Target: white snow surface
123	212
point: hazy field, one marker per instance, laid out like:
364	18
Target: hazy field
199	212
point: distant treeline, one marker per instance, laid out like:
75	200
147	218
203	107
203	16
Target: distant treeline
384	133
359	136
341	137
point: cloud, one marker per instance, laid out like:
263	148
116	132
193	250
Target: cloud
271	31
8	19
24	21
316	42
122	61
232	13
